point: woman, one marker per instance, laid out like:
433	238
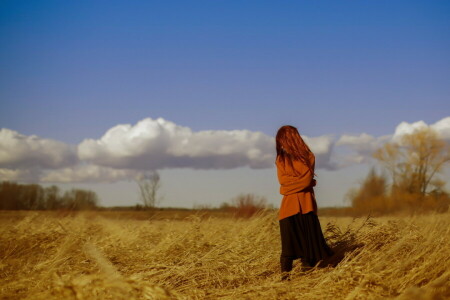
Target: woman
301	234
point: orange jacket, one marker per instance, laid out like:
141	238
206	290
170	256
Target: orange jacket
297	189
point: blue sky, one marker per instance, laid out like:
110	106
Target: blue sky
70	71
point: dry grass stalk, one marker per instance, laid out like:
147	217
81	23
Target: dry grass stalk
43	256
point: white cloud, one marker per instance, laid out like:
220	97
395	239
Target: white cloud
405	128
87	173
322	147
443	128
156	144
125	150
24	175
18	151
364	145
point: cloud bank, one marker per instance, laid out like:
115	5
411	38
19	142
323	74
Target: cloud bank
18	151
364	145
126	150
158	144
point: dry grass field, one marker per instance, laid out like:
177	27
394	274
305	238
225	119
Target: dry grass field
106	255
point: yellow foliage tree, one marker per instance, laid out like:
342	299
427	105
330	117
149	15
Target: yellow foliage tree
413	163
371	196
415	160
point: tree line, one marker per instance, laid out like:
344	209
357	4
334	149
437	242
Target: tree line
15	196
410	178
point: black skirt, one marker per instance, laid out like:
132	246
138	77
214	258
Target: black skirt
302	237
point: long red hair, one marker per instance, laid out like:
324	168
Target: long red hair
290	145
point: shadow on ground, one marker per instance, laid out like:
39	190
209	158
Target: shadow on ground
343	242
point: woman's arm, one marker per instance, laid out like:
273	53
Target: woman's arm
294	183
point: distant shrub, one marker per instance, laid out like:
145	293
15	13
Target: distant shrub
246	205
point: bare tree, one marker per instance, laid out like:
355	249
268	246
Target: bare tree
149	184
